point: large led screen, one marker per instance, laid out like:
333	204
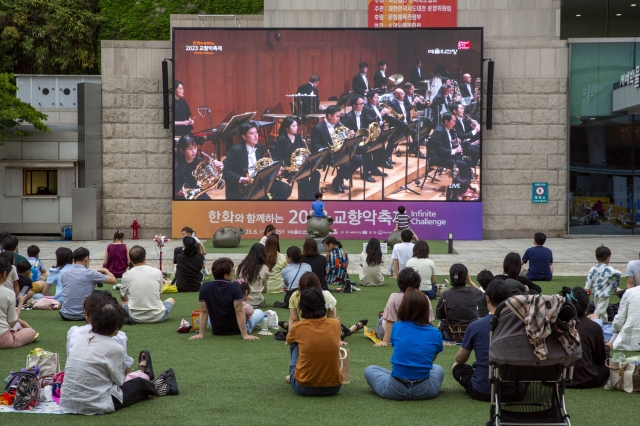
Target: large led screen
372	119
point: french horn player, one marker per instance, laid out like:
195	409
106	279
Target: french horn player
196	176
321	138
240	166
292	150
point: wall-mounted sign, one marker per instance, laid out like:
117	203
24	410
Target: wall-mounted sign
631	78
413	13
539	192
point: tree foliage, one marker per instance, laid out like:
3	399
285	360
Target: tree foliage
14	112
149	19
49	36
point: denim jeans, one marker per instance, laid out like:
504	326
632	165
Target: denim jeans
431	294
306	390
256	319
388	387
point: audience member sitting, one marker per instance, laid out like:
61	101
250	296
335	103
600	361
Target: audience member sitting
633	273
291	274
371	261
64	262
188	232
116	255
13	331
317	261
540	259
11	281
475	379
10	243
33	253
424	266
589	371
407	278
603	279
314	369
483	278
268	230
512	265
189	266
96	298
255	273
459	304
416	344
141	291
625	324
337	261
222	299
276	262
24	279
78	283
402	252
92	384
254	316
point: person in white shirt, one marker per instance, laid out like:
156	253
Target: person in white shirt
424	266
402	252
94	381
141	289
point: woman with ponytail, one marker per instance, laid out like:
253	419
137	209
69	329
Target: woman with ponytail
590	370
458	305
116	255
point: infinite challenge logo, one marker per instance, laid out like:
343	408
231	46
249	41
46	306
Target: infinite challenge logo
203	47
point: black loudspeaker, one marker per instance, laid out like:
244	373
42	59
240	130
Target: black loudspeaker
490	95
165	93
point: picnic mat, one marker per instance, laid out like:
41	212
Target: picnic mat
42	408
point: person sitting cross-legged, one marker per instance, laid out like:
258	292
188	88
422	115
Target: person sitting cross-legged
141	290
222	299
416	344
475	379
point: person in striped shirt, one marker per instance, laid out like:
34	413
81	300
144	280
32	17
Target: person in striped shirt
403	220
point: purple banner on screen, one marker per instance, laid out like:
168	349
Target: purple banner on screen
430	221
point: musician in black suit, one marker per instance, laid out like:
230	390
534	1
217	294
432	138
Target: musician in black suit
355	120
442	101
373	113
360	84
183	123
288	142
309	104
467	90
321	139
398	105
468	133
445	149
417	74
240	164
380	77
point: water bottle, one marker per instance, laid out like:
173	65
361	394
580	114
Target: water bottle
265	328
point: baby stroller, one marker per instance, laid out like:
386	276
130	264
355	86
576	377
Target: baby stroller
528	379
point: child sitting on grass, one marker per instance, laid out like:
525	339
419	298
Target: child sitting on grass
254	316
603	279
24	278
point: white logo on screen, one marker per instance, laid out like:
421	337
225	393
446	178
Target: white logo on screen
438	51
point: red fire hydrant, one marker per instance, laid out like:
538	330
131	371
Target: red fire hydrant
135	225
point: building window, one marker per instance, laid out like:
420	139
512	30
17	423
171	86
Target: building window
599	18
40	182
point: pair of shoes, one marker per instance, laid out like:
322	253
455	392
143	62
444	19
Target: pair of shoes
388	165
166	383
360	324
417	153
279	304
367	178
377	172
339	189
345	331
390	160
148	369
284	324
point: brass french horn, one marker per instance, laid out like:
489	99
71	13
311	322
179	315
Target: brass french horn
373	132
298	157
208	177
339	135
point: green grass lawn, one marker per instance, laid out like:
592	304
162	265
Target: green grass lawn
226	380
351	246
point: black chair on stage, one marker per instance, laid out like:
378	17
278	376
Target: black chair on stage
439	164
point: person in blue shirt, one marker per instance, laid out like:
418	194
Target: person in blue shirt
475	379
318	206
416	344
540	259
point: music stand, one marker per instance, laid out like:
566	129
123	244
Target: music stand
370	149
405	187
231	129
263	181
309	165
383	137
344	155
344	100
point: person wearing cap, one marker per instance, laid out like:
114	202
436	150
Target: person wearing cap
314	369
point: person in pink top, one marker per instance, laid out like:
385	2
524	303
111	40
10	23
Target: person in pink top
116	255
